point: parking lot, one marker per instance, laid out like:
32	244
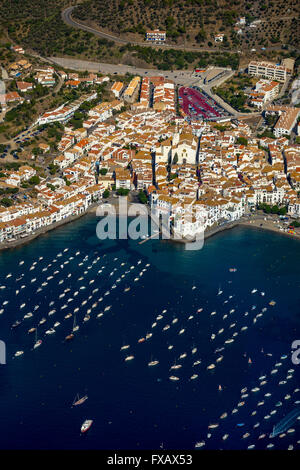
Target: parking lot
198	105
16	145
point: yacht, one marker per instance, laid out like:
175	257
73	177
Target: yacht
38	342
153	363
86	425
129	358
19	353
50	332
79	401
75	327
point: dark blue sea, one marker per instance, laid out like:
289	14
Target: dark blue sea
195	313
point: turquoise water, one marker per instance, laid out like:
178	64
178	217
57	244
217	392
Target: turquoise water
133	405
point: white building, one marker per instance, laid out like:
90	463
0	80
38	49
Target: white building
268	70
155	35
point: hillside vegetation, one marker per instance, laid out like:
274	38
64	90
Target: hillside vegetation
197	21
38	26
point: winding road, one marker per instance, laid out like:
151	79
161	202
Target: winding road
69	20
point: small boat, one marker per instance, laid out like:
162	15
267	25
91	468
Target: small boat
232	270
86	425
75	327
38	342
153	363
69	337
17	323
28	315
78	401
272	303
174	378
50	332
199	444
19	353
129	358
176	366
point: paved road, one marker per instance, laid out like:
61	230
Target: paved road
69	20
179	77
184	78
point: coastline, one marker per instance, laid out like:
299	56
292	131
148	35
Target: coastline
43	230
39	232
256	222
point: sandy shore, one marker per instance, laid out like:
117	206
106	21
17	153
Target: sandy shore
270	226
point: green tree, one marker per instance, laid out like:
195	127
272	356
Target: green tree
34	180
175	159
142	197
242	141
6	202
122	192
